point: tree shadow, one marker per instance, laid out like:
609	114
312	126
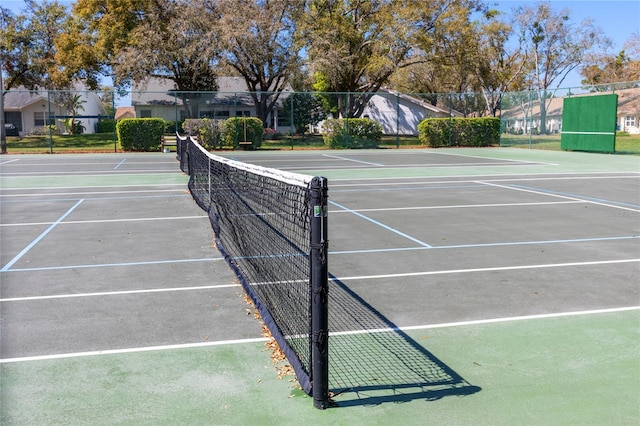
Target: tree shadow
372	361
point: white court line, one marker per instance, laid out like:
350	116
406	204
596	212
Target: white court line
9	161
40	237
133	350
117	293
80	222
343	333
489	269
492	158
43	188
120	164
114	172
57	194
566	197
588	133
382	225
404	167
547	203
352	160
490	321
499	177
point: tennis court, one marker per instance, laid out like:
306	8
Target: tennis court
468	286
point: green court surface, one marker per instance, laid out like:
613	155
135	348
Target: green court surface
581	369
469	287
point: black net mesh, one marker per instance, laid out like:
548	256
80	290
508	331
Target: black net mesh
261	219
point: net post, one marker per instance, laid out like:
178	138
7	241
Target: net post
320	294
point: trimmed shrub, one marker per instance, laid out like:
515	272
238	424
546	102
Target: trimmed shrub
140	134
106	125
439	132
170	128
236	131
352	133
206	129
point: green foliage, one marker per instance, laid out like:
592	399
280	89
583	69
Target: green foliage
352	133
206	129
170	127
307	109
140	134
439	132
242	129
107	125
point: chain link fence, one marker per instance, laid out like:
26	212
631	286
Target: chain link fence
85	120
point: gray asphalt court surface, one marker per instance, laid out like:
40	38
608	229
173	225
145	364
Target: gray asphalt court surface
468	286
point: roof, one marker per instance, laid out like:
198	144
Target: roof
160	91
17	99
629	101
423	104
125	112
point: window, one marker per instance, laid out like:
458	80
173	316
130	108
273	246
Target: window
629	121
284	120
40	118
145	113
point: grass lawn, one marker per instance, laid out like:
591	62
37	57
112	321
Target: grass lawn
99	142
105	142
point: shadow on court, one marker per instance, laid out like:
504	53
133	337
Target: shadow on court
373	362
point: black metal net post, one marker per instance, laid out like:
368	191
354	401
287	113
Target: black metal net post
320	294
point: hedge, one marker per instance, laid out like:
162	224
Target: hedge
140	134
106	125
235	130
439	132
206	129
352	133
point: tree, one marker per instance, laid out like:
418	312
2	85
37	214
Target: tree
555	46
99	32
622	68
355	46
27	50
259	44
6	22
73	103
445	51
173	42
305	109
138	39
499	68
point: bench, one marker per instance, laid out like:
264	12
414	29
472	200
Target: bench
168	141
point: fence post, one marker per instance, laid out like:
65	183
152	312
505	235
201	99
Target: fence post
292	132
397	120
47	121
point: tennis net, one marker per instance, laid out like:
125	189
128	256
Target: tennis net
271	227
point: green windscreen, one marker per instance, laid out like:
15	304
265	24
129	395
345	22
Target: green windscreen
589	123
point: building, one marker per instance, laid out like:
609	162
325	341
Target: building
400	114
158	98
28	112
396	112
526	117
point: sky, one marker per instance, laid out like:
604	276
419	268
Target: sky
618	19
